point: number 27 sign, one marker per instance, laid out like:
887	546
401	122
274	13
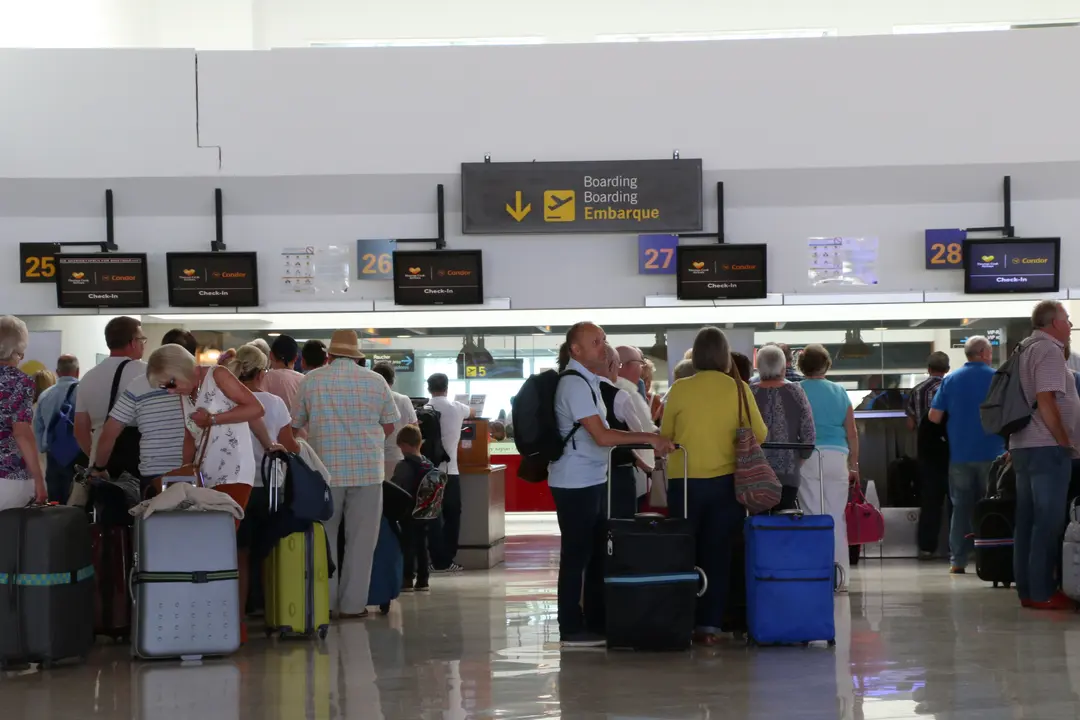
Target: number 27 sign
656	254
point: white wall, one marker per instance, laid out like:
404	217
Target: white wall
862	136
260	24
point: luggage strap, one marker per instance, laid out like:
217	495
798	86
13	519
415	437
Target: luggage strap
196	578
652	579
47	579
993	542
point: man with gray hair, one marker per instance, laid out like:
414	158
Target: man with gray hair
1042	456
58	477
971	449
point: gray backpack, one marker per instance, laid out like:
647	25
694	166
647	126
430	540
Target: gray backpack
1006	410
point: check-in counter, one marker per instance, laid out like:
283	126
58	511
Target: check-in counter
883	437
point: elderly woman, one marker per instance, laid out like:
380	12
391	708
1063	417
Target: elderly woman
217	409
21	476
786	412
702	414
837	441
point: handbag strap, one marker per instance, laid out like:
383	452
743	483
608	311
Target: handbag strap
743	405
116	383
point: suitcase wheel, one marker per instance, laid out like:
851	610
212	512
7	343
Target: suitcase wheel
995	584
323	631
832	643
385	608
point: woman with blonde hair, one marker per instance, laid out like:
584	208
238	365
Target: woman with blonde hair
21	477
43	380
702	415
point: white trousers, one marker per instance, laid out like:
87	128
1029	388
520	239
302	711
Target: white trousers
834	483
15	493
360	508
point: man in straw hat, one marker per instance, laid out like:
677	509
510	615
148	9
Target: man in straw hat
348	411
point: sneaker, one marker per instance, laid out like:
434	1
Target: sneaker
954	570
423	588
407	589
925	555
1060	601
583	640
453	568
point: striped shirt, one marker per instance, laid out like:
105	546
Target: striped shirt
344	406
921	398
1043	369
159	416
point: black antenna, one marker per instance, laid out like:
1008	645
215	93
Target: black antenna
440	209
110	244
218	245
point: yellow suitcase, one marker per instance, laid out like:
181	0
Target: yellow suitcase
297	585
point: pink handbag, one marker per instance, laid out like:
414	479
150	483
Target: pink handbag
865	523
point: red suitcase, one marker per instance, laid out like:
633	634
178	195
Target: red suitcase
112	563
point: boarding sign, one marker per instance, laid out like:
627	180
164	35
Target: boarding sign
620	196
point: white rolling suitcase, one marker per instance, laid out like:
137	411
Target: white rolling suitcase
1070	555
185	585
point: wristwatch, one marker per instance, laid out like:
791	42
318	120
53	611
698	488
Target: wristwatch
213	420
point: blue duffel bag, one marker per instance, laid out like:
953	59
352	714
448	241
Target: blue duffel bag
789	579
307	497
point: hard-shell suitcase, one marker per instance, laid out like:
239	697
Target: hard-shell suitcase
994	528
387	573
650	579
1070	555
790	574
112	564
46	586
185	583
296	577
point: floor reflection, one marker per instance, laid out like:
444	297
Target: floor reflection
912	642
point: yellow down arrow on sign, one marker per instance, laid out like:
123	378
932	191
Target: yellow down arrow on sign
517	212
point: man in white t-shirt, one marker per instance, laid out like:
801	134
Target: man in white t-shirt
393	454
94	399
445	533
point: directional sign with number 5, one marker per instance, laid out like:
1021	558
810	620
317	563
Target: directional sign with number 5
656	254
374	259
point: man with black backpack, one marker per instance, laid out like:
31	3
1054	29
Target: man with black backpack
446	533
578	476
54	428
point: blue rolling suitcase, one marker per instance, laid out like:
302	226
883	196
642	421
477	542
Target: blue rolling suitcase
386	568
790	575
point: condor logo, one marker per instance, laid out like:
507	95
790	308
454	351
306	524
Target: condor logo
459	273
122	278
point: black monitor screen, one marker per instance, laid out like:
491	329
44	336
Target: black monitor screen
213	279
102	280
439	277
1008	265
721	272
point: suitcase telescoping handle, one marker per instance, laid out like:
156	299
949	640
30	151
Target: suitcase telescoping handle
804	447
646	446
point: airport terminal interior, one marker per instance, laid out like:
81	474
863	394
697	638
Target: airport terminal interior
460	186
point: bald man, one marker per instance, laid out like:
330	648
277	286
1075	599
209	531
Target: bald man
58	477
633	362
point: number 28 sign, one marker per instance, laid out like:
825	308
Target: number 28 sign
945	249
656	254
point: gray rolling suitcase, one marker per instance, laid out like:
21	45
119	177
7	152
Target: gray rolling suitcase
185	586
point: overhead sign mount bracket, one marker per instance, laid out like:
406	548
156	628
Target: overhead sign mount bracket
218	245
440	238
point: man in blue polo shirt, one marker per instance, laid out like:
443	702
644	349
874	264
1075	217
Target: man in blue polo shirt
971	451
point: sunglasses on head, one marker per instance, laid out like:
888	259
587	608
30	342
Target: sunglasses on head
171	385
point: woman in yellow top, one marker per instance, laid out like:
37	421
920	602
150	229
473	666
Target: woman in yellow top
702	414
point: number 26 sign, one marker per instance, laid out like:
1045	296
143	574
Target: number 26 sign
945	249
656	254
374	259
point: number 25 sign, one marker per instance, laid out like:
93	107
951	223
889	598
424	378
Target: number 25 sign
656	254
38	262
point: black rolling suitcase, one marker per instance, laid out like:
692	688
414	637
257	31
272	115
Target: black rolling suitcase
650	580
994	523
46	586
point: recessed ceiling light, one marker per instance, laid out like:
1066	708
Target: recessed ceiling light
881	328
404	336
273	334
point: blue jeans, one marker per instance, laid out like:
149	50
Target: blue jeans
967	484
582	514
1042	489
717	517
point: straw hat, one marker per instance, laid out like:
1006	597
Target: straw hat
345	343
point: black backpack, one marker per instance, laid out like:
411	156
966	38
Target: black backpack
429	421
536	430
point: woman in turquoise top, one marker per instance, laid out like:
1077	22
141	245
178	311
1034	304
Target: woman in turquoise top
837	442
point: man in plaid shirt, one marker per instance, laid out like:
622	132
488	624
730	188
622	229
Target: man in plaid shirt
348	412
933	454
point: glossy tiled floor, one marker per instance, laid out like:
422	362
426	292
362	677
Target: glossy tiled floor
913	642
